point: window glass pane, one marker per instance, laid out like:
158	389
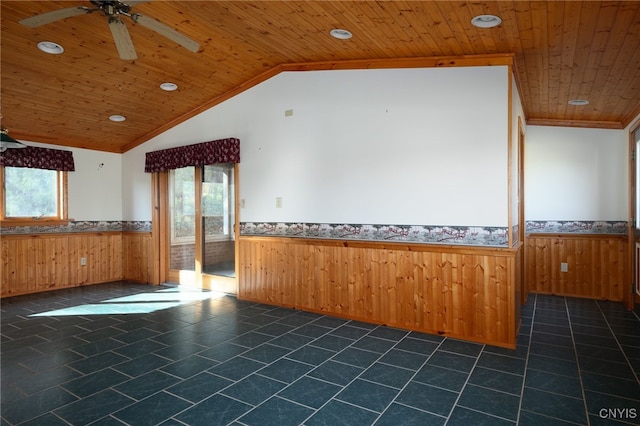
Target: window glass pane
182	206
218	254
215	200
184	209
31	192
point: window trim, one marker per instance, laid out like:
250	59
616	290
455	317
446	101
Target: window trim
61	219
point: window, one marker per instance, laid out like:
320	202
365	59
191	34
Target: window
217	200
31	196
216	192
182	208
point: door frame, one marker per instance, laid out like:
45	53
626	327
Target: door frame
160	236
524	290
630	298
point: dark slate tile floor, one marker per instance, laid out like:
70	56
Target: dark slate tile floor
124	353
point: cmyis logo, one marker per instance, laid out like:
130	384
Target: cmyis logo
618	413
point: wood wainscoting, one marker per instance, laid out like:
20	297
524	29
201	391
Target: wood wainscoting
459	291
137	257
597	265
33	263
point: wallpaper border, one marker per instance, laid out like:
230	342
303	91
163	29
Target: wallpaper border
82	226
615	227
427	234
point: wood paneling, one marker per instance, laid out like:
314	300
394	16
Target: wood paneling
137	257
34	263
597	265
463	292
563	50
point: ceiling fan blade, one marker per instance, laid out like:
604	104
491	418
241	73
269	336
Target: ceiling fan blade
122	39
55	15
166	31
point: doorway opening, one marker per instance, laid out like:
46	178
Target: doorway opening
201	226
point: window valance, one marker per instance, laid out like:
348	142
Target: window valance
38	158
200	154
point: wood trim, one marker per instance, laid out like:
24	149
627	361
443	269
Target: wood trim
198	178
236	226
510	166
162	227
576	236
635	113
631	297
63	187
155	234
387	245
34	222
615	125
2	196
219	283
522	224
57	234
62	218
422	62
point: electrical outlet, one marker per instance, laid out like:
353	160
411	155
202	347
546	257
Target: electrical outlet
564	267
242	203
278	202
83	261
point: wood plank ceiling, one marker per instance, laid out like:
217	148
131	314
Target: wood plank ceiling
563	50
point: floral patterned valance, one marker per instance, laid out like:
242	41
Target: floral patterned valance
200	154
38	158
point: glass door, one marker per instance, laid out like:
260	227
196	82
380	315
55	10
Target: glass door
201	227
182	213
218	219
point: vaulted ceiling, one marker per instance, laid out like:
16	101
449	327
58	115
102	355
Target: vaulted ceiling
563	50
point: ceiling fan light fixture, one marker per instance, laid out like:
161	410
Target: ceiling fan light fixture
50	47
7	141
117	118
168	86
486	21
578	102
340	34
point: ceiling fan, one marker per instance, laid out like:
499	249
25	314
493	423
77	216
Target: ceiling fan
113	10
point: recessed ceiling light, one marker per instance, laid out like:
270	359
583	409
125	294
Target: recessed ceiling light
50	47
578	102
168	87
340	34
486	21
117	118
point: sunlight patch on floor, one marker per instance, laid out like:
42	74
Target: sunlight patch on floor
142	303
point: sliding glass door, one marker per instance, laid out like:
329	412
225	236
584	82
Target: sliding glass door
202	226
218	218
182	212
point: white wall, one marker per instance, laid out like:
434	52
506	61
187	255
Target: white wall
408	146
95	192
576	174
136	186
